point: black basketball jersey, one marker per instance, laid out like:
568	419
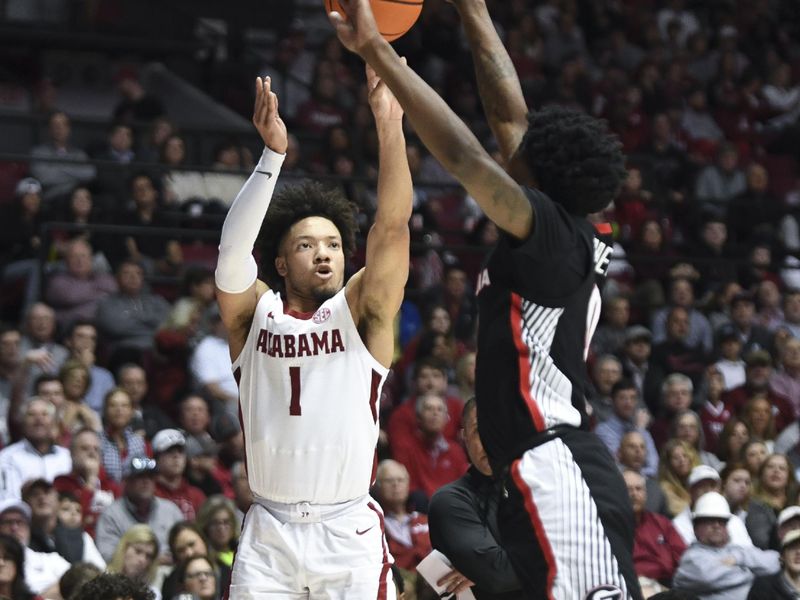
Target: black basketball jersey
538	306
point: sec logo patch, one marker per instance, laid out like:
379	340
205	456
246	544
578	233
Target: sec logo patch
322	315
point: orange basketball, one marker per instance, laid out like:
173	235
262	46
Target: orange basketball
394	17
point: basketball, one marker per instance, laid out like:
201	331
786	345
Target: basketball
394	17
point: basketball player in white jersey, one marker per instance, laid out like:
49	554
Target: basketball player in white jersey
311	354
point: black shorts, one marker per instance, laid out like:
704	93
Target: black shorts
567	522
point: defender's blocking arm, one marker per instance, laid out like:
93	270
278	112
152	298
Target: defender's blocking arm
238	288
439	128
498	83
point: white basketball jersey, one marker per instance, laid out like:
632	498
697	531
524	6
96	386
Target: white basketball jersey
308	392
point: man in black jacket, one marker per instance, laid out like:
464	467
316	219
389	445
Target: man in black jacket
786	583
463	525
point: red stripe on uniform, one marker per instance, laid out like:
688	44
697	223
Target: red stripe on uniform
524	362
603	228
237	375
373	395
386	564
538	528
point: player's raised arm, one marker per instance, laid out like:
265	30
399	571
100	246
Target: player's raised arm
498	83
380	287
236	276
439	128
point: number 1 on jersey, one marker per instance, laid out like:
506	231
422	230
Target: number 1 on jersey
294	403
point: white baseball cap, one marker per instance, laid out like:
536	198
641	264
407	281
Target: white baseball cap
166	439
712	505
701	473
787	514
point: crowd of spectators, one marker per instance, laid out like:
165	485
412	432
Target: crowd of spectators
121	447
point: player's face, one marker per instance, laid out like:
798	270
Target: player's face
311	259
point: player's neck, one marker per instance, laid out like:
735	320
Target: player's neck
300	304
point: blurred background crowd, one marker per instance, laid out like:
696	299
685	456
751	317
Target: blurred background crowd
125	137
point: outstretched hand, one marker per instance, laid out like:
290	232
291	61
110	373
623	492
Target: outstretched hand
384	105
356	28
267	119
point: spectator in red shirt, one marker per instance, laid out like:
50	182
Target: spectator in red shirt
169	450
657	545
431	459
430	377
406	531
88	480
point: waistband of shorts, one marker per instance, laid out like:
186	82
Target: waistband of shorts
306	512
532	441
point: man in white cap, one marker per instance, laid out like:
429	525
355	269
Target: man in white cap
788	520
785	584
42	569
713	567
704	479
169	449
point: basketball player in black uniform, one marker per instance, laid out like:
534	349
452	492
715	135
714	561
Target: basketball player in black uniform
565	519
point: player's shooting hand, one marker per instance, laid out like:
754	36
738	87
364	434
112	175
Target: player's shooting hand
384	105
356	28
267	119
455	582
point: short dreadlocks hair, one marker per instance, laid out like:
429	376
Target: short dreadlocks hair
113	585
574	159
295	203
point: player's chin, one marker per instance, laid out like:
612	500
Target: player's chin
325	292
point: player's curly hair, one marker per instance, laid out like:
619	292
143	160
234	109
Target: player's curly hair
113	585
575	160
294	203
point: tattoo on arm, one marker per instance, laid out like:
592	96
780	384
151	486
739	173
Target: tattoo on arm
495	72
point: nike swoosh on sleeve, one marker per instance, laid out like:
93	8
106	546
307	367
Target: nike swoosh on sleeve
267	173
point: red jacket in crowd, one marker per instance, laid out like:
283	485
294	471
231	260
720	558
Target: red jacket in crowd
408	557
93	500
657	547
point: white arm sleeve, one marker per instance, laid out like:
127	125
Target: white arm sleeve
236	267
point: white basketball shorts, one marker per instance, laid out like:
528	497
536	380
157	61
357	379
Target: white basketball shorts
313	552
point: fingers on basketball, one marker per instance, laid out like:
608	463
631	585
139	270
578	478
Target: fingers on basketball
393	17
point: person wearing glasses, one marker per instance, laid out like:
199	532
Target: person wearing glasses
137	505
198	577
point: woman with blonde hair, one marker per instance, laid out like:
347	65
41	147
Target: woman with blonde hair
678	459
136	556
217	521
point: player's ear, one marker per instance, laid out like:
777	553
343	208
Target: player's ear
280	266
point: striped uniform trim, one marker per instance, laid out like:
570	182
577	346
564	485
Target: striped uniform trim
565	520
538	529
545	388
387	564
